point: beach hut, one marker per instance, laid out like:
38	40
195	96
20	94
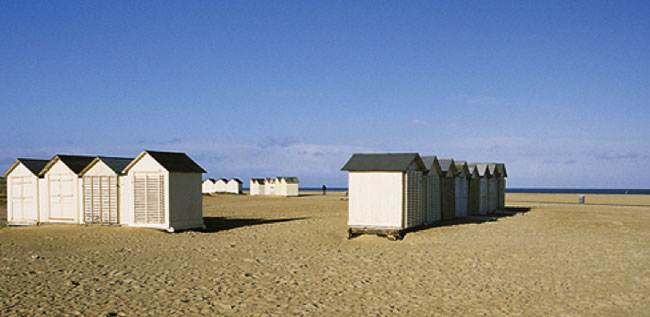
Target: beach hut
208	186
233	186
257	186
163	191
62	188
484	175
22	191
462	188
220	185
501	185
431	184
101	186
286	186
448	188
474	194
493	187
269	185
385	193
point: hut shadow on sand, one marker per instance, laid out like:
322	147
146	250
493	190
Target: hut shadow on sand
399	234
216	224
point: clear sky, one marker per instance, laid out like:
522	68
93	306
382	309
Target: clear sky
558	90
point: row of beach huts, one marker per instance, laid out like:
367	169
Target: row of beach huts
221	185
156	189
392	193
274	186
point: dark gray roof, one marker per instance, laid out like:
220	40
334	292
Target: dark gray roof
33	165
382	162
493	168
209	179
501	167
428	160
117	164
74	162
289	179
482	169
259	180
176	162
446	165
236	180
225	180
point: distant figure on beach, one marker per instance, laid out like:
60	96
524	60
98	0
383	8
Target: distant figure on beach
324	190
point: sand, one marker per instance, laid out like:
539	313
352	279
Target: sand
279	256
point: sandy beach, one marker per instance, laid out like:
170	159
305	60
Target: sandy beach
278	256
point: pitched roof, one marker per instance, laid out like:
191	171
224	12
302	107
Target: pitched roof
382	162
431	163
33	165
288	179
258	180
76	163
171	161
235	179
209	180
501	167
493	169
462	165
225	180
447	165
116	164
483	170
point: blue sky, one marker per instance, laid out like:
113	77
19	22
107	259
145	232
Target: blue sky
559	90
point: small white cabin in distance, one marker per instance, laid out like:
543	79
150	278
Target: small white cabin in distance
208	186
286	186
220	185
102	189
234	186
257	186
164	192
23	192
385	193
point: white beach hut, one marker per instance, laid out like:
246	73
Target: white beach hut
286	186
448	188
22	189
257	186
163	191
484	175
269	185
501	186
493	187
220	185
462	189
233	186
62	198
208	186
101	189
385	193
431	184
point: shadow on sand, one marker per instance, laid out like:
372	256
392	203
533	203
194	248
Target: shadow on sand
399	234
216	224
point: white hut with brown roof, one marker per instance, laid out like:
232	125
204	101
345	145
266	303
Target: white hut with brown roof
164	191
23	192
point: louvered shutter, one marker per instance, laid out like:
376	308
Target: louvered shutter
414	208
149	198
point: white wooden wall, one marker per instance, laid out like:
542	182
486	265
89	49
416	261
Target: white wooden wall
376	199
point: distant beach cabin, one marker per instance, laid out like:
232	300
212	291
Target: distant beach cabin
23	192
474	194
448	188
62	188
484	175
269	185
164	191
493	187
286	186
220	185
257	186
208	186
462	188
501	186
431	184
233	186
385	193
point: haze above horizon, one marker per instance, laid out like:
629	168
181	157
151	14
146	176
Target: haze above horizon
556	90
